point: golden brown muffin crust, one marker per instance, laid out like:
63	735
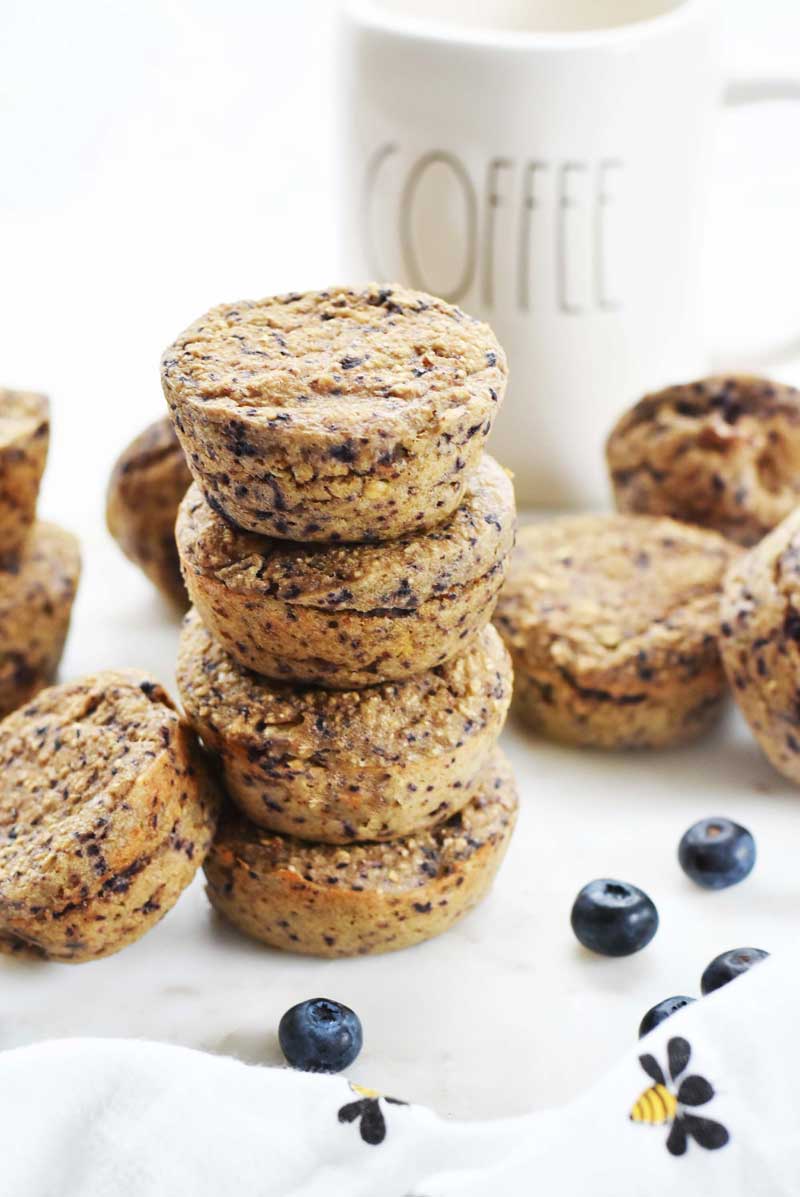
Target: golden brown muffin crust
148	481
349	764
760	641
723	453
130	903
345	355
330	616
400	574
607	618
98	775
350	414
36	598
24	440
330	900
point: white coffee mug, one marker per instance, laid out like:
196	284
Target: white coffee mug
544	164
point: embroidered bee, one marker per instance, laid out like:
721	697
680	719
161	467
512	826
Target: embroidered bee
661	1104
372	1123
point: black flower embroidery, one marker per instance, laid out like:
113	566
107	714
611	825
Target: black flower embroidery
367	1111
662	1103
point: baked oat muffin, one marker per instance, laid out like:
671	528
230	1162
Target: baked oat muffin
760	642
723	453
36	596
24	440
329	900
350	615
343	765
612	622
106	813
147	483
349	414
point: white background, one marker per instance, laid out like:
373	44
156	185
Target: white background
158	157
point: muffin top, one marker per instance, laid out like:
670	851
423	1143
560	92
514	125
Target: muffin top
374	727
723	452
596	592
364	352
24	415
72	811
391	867
730	397
393	575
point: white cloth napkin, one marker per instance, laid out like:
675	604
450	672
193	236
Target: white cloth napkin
123	1118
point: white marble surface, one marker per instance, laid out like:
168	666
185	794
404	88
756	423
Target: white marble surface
118	223
505	1012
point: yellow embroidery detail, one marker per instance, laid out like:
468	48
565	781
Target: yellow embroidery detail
655	1106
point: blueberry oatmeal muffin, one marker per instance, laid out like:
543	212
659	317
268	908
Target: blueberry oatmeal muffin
612	622
146	486
760	642
36	597
350	615
347	414
354	900
106	813
24	440
723	453
343	765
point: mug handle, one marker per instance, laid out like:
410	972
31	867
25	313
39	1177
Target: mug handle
756	91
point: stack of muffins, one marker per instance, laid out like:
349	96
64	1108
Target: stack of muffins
39	562
343	546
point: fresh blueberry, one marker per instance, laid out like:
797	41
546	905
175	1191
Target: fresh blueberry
657	1014
613	918
717	853
320	1036
729	966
